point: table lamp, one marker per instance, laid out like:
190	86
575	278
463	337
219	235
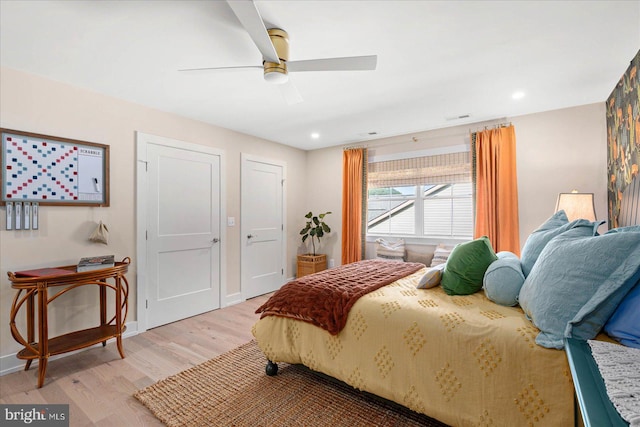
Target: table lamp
577	205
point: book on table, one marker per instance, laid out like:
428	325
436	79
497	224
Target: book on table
95	263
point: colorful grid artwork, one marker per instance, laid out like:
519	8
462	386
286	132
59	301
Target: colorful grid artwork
37	168
40	170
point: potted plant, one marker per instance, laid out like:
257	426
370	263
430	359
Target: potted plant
315	228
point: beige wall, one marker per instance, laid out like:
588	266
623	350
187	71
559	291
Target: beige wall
32	104
557	151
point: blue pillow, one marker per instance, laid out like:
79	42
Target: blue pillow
577	283
507	254
503	280
554	226
624	323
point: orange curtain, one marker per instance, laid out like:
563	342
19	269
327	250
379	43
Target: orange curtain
497	189
353	190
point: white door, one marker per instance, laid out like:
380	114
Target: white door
183	249
262	226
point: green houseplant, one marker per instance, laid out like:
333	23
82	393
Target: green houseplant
315	228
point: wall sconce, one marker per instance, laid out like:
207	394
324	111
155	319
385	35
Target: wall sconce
577	205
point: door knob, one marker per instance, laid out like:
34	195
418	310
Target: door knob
215	240
250	236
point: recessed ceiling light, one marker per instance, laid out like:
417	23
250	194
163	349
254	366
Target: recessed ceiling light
518	95
315	135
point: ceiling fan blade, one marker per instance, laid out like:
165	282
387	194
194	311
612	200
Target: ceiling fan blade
350	63
290	93
250	18
222	68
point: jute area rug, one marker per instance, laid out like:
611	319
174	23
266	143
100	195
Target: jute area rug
233	390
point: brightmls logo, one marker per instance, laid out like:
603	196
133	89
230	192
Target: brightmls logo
34	415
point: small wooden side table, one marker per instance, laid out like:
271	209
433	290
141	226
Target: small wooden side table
28	288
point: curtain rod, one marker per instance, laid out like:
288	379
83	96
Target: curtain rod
496	126
403	141
409	138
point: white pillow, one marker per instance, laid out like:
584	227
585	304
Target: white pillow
440	256
431	278
390	251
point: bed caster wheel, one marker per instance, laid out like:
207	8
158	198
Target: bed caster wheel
271	369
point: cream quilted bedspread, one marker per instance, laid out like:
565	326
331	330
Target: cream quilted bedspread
460	359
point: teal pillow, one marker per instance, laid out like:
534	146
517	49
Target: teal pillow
554	226
431	278
466	266
503	280
577	283
629	229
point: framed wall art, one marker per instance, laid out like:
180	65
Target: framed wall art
49	170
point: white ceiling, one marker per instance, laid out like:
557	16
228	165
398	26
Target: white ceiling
436	60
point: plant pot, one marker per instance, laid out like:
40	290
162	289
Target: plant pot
309	264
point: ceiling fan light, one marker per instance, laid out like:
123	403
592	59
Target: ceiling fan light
276	73
276	76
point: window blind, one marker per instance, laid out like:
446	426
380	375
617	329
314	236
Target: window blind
449	168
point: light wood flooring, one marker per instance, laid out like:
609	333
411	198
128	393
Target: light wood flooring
98	385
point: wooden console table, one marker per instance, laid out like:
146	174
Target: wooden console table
28	287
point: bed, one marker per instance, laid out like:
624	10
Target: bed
452	358
463	360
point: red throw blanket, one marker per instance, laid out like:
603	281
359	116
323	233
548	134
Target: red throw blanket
325	298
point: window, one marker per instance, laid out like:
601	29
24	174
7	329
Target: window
421	197
391	210
448	211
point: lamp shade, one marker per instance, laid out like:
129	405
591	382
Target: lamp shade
577	205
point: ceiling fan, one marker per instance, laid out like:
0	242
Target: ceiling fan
273	44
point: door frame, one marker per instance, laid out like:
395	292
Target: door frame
249	157
142	141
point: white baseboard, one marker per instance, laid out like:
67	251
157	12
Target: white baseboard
10	363
233	299
236	298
